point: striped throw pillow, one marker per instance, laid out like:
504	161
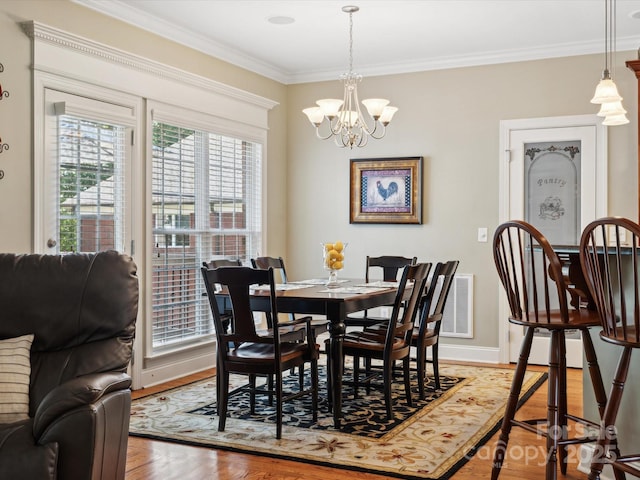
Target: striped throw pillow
15	370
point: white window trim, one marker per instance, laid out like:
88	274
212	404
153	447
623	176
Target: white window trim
84	67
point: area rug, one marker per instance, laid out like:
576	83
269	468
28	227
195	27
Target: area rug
429	441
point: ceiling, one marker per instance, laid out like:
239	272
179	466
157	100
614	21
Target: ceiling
393	36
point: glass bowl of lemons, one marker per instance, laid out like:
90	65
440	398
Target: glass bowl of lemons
333	260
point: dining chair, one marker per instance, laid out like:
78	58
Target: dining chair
243	351
609	258
426	331
277	263
224	262
390	265
531	274
294	330
395	343
289	332
226	316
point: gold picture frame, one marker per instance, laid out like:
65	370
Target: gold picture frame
386	190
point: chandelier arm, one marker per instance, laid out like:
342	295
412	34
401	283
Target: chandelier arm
335	125
360	117
329	135
384	131
343	140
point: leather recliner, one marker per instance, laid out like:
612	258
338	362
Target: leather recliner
81	309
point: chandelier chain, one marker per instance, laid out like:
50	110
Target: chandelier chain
350	43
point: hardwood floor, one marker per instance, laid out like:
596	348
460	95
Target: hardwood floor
156	460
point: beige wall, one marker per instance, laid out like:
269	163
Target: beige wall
450	117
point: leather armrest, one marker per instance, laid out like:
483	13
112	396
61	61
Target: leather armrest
77	392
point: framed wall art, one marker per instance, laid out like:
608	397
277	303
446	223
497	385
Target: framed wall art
386	190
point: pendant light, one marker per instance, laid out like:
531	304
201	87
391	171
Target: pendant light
606	94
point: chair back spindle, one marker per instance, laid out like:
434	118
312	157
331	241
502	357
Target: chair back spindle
609	258
530	272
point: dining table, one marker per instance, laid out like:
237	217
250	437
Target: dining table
313	297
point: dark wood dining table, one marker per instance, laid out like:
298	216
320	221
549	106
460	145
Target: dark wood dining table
335	304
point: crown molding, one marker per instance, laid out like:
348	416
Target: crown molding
45	33
138	18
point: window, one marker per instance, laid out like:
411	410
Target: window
175	222
90	158
206	192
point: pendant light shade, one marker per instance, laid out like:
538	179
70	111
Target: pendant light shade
611	108
606	91
613	120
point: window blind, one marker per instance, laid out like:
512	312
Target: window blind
206	190
90	185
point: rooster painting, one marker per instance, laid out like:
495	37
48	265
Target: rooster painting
385	193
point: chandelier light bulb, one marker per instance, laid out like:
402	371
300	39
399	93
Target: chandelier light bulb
330	107
315	115
375	106
387	115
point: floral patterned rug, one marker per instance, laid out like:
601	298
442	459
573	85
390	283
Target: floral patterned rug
430	440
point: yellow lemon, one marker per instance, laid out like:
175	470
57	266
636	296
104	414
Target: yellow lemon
340	256
328	246
333	254
337	265
338	246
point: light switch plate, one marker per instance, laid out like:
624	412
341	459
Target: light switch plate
482	234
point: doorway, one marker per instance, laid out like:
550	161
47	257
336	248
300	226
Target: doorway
553	174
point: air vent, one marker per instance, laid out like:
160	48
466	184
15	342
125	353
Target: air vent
457	319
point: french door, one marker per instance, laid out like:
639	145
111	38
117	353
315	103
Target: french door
86	175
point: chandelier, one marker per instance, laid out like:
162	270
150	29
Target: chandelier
344	118
607	95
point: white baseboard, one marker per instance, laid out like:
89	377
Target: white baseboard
177	369
462	353
457	353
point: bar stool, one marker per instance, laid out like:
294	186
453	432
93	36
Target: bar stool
609	258
528	268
